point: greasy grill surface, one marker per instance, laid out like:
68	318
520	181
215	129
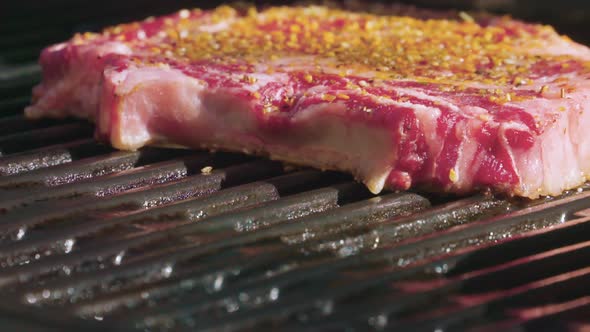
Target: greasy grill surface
92	238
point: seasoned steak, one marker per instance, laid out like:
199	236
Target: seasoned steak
446	104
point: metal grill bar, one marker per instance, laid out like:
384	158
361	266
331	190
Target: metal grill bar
193	186
102	180
163	256
50	156
63	174
322	268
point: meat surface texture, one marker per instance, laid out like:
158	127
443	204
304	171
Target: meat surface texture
443	102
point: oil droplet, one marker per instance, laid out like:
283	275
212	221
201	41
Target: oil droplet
244	297
326	307
32	299
231	305
119	258
69	245
167	271
402	262
379	322
21	233
440	269
218	282
274	294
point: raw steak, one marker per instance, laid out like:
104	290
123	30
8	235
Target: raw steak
446	104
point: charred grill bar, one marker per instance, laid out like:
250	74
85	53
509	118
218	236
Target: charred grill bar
92	238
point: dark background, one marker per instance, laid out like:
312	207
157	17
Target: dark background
28	25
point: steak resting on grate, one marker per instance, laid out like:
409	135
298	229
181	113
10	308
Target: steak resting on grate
444	104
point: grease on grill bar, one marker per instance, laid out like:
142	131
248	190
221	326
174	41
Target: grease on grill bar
92	238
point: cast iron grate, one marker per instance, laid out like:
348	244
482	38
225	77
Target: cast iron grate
92	238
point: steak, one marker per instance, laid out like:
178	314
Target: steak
446	103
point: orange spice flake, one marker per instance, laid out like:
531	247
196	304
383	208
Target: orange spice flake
249	79
328	97
453	176
543	89
289	100
392	47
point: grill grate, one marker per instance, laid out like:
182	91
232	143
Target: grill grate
93	238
